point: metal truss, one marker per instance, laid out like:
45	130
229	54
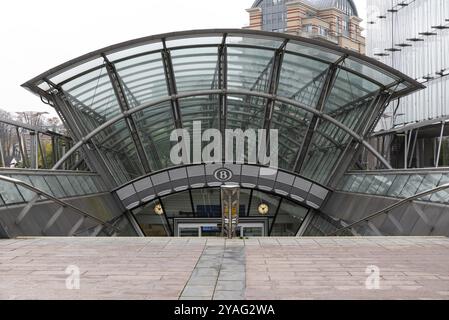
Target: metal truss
171	85
123	103
314	111
331	75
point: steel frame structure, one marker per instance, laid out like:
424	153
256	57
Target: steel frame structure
62	100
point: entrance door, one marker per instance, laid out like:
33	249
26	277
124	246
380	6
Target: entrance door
252	230
198	230
214	230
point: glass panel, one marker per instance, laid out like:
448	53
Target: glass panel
270	202
203	109
430	182
349	182
99	183
385	183
178	205
152	224
312	51
207	203
195	69
398	185
327	145
254	40
292	124
9	193
348	87
364	186
58	78
84	185
120	153
140	49
155	126
67	186
375	184
245	112
26	193
76	185
288	220
370	71
40	183
143	78
93	94
249	68
90	184
412	186
301	79
244	201
198	40
357	182
53	182
442	196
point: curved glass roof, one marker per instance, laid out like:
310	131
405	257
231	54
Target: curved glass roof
320	97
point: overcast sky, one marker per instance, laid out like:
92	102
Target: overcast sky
37	35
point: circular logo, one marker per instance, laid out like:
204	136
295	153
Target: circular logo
223	174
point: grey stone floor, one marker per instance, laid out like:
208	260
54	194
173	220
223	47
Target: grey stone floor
193	268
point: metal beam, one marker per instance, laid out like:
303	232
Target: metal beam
437	160
2	157
325	92
415	140
42	150
222	65
22	149
273	83
171	84
124	106
34	157
52	220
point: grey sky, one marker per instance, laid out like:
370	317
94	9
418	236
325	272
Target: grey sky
38	35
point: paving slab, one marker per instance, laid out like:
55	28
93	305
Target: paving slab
221	269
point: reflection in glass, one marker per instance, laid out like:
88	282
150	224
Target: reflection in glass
207	203
9	193
289	219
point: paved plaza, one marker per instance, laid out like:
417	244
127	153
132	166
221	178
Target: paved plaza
213	268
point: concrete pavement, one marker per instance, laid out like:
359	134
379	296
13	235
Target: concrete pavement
213	268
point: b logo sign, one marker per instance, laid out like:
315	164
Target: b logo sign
223	175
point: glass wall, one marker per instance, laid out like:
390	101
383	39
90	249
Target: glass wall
157	218
58	185
397	185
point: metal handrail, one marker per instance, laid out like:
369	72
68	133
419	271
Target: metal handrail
390	208
58	201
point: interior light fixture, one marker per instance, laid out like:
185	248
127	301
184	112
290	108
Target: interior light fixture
158	209
263	209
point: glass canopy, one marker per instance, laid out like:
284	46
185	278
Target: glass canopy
139	91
